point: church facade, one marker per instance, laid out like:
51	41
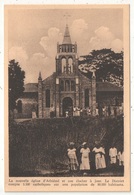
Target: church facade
66	88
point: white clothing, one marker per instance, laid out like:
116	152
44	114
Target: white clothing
99	158
67	114
34	114
121	158
72	153
113	155
103	162
97	112
85	165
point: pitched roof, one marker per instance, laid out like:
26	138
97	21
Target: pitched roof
100	86
31	87
67	38
106	86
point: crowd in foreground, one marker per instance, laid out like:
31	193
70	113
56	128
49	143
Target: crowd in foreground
83	163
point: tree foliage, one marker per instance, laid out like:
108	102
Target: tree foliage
107	64
16	82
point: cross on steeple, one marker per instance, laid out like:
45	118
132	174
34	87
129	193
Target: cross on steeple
67	16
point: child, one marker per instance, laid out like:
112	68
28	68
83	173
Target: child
72	157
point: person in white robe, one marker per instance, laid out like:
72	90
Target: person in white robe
85	161
99	157
113	155
103	162
121	158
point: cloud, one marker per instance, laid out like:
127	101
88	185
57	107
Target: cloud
104	38
49	42
117	45
79	33
103	33
78	28
37	62
19	54
44	61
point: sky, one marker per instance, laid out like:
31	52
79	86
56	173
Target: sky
33	35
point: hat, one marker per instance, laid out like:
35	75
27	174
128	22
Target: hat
71	143
84	143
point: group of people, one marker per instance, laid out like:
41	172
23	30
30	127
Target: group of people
100	111
77	111
83	163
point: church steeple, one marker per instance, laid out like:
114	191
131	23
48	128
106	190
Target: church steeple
66	58
40	77
67	38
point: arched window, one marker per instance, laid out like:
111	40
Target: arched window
47	98
19	106
73	49
62	85
67	85
86	97
70	48
70	65
63	63
72	85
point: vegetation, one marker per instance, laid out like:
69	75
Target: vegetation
42	144
107	64
16	82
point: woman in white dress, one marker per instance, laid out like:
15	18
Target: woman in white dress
85	162
73	162
103	157
99	157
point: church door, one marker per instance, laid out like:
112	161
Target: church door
67	105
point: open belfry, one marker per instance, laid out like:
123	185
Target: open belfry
67	88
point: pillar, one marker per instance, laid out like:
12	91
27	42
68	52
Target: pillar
40	94
57	98
93	94
77	91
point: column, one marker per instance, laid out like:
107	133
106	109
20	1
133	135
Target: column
93	94
40	105
57	98
77	92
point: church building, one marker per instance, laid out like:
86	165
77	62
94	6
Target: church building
66	88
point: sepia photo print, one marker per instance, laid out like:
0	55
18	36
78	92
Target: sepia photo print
67	70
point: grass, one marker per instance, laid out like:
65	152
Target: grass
41	144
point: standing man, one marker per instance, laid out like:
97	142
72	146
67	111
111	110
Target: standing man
113	155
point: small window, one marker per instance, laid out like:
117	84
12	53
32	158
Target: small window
67	85
63	62
62	85
47	98
19	106
70	65
86	97
72	85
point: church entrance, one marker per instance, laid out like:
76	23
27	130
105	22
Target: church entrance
67	105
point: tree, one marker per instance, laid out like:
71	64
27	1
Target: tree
107	64
16	82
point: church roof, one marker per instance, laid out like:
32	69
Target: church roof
31	87
106	86
66	38
100	87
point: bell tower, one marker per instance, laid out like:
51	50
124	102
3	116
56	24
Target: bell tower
66	58
67	75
